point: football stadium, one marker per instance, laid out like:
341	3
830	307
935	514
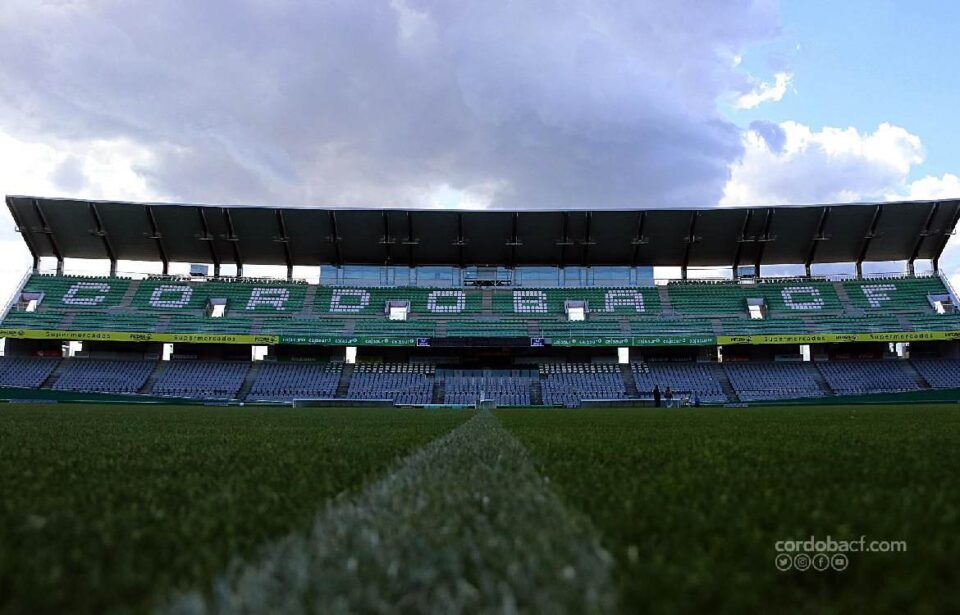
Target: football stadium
479	410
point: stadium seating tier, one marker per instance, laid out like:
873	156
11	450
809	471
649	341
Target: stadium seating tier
697	309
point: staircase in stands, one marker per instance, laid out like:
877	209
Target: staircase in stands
344	385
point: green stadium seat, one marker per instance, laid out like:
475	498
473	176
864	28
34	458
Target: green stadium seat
700	309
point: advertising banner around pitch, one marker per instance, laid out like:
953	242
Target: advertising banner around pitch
569	341
129	336
831	338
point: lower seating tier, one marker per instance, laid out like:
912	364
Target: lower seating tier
553	384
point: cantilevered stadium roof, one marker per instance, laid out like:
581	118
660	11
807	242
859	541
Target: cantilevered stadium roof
889	231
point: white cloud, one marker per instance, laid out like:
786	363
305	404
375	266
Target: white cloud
95	169
766	92
792	163
932	187
556	103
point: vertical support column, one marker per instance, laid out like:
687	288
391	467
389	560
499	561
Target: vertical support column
867	238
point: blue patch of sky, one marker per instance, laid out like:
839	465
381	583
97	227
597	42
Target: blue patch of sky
864	62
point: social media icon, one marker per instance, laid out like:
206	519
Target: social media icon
821	561
783	562
801	562
839	562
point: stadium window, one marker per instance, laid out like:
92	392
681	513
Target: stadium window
395	276
257	353
538	276
351	355
623	355
805	352
360	275
329	275
167	352
610	276
437	276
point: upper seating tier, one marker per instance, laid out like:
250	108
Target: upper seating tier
699	310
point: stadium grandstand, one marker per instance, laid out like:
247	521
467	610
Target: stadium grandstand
424	306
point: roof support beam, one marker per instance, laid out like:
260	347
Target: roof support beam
411	241
460	242
101	232
157	236
334	238
46	230
816	239
514	239
25	233
639	240
690	239
742	239
587	239
924	233
763	239
947	233
386	240
871	233
564	238
211	243
234	242
284	240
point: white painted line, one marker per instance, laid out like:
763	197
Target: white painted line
464	525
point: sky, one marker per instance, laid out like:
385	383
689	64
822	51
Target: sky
555	103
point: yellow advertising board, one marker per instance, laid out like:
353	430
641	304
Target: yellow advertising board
831	338
269	340
128	336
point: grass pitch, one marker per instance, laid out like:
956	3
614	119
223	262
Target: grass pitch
126	508
107	507
692	502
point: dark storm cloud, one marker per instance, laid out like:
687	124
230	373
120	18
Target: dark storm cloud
554	103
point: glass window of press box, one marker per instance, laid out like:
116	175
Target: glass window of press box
448	276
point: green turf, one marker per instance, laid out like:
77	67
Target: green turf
465	525
691	502
114	507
